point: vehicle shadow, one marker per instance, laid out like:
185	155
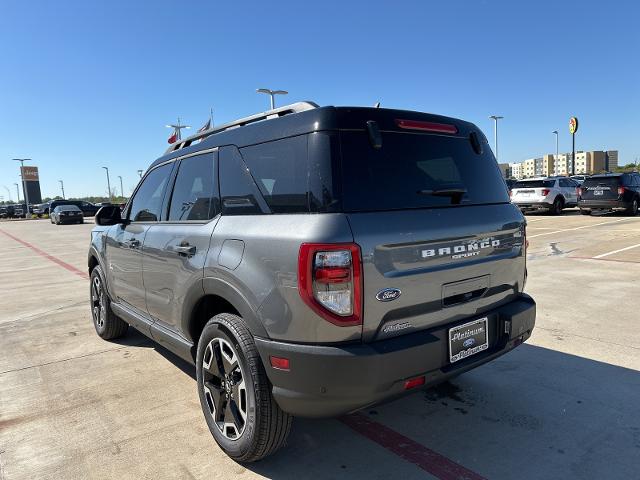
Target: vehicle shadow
535	411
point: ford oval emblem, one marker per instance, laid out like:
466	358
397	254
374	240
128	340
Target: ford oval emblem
388	294
468	342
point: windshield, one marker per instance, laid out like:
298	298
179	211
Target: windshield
534	184
417	171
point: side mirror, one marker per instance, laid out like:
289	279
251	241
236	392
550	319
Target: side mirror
108	215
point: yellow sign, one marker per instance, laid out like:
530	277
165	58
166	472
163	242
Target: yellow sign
573	125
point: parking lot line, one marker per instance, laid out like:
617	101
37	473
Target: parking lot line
576	228
44	254
602	255
432	462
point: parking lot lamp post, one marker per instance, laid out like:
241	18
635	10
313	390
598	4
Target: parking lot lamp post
140	172
121	188
108	182
17	192
495	119
555	162
62	187
8	192
24	183
272	94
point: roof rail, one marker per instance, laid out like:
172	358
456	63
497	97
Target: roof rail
269	114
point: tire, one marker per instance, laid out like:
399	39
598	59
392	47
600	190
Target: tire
107	325
558	205
633	209
232	380
585	212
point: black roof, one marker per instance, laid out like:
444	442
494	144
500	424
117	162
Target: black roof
316	119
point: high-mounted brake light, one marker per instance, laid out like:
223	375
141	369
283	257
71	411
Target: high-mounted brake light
330	281
427	126
621	190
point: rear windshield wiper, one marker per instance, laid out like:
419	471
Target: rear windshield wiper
455	194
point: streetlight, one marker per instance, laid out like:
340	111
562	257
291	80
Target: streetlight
8	192
24	183
62	187
177	127
121	189
495	119
108	182
555	163
140	172
17	191
271	94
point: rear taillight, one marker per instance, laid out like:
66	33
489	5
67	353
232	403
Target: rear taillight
545	192
330	281
579	191
621	190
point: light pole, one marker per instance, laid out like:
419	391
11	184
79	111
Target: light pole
62	187
17	191
121	189
177	127
271	94
495	119
140	172
108	182
555	162
8	192
24	183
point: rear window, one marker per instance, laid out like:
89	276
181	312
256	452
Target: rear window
417	171
535	184
603	182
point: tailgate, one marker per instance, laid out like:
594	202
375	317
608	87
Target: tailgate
600	189
446	263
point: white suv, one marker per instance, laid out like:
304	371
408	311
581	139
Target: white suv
552	193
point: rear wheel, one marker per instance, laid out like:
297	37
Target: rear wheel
558	205
107	325
235	393
633	209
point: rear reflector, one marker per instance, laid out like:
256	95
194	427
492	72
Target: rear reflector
280	363
427	126
414	382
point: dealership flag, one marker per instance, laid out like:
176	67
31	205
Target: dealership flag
206	126
173	137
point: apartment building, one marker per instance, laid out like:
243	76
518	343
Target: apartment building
586	163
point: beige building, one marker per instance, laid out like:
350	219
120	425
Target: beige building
587	163
611	159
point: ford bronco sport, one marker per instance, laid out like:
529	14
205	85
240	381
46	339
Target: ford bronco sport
314	261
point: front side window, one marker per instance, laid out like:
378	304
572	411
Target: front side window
146	205
194	196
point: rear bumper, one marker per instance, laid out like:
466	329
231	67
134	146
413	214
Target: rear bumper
532	205
603	204
326	381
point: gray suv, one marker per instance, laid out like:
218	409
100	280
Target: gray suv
315	261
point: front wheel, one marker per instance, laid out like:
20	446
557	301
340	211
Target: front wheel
107	325
235	393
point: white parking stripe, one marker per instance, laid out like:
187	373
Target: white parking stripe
576	228
617	251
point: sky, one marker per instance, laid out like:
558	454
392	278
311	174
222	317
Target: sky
86	84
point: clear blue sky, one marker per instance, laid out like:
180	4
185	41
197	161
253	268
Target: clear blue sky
86	84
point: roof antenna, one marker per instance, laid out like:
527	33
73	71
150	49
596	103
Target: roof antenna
377	105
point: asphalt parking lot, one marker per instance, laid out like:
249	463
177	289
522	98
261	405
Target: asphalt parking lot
564	405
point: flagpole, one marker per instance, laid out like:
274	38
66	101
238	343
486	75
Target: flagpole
211	116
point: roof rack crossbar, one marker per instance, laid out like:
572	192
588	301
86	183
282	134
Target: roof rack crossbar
269	114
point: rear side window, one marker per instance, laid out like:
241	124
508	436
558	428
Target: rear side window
194	196
416	171
535	184
239	193
147	201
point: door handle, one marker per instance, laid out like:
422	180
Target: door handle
132	243
185	249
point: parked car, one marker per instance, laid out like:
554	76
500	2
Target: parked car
6	211
612	191
315	261
88	209
66	214
41	209
551	193
579	178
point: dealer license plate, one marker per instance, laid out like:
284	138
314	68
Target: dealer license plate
468	339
